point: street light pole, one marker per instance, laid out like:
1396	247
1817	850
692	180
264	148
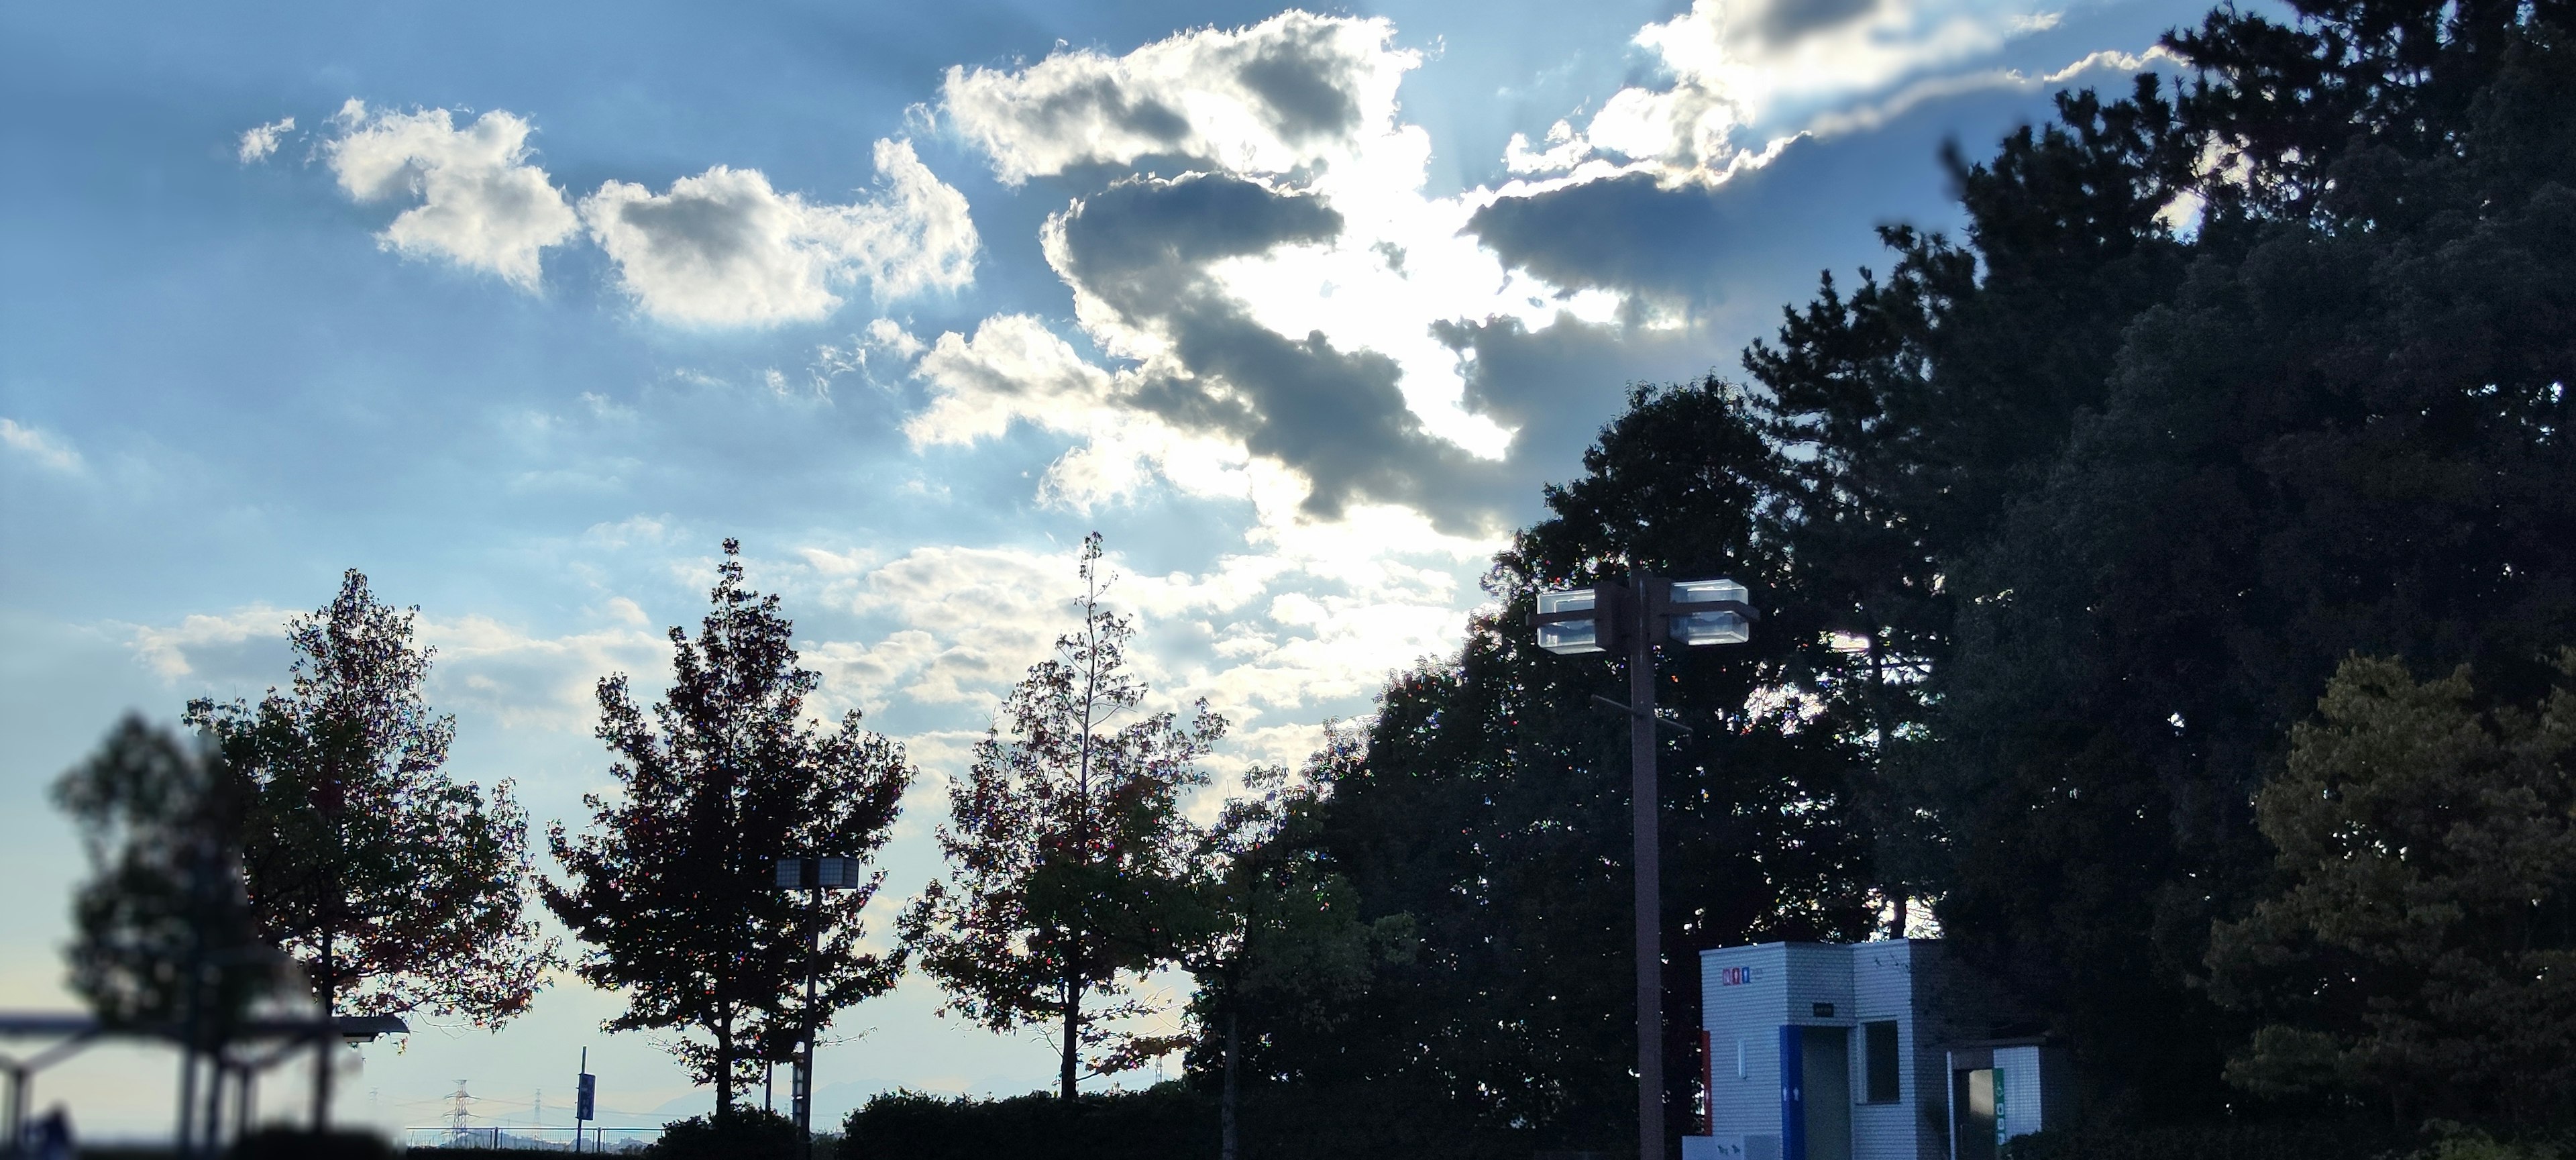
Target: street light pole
1647	858
1651	609
805	1063
814	875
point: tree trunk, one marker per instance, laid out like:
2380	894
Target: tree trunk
1072	1038
724	1069
322	1044
187	1133
1233	1055
215	1110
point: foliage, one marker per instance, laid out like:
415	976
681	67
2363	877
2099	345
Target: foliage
2327	1139
1171	1120
286	1144
2459	1142
1068	848
164	934
1269	931
747	1134
393	887
673	889
2422	947
1489	807
2129	495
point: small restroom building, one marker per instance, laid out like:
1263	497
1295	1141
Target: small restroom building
1863	1051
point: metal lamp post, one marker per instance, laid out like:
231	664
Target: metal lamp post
814	876
1637	616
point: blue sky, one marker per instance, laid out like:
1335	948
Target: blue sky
522	310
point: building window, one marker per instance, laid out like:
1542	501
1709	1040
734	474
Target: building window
1878	1057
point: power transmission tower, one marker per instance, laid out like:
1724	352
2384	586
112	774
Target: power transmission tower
459	1120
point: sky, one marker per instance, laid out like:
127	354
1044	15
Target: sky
522	309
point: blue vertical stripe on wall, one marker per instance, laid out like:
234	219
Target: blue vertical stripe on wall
1793	1094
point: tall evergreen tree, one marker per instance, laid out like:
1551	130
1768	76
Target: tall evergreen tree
1068	848
2157	485
2422	948
672	887
1490	803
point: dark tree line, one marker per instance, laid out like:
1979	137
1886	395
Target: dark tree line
2060	526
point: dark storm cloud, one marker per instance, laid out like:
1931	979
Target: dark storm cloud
1336	416
1557	384
1145	238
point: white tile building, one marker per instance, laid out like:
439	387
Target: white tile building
1865	1051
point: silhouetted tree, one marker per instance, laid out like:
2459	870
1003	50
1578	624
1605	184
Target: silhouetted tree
164	937
673	887
1068	848
392	886
1269	930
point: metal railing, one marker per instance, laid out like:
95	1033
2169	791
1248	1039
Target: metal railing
503	1138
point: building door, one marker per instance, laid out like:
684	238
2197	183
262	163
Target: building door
1815	1093
1972	1114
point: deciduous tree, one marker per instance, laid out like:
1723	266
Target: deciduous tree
1067	847
394	887
672	887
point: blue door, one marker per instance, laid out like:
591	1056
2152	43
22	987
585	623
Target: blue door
1793	1094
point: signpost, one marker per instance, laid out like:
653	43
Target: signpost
583	1108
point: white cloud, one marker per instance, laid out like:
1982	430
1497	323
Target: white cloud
258	141
1294	90
1291	625
1306	106
483	666
40	447
503	672
482	206
1743	72
182	649
723	248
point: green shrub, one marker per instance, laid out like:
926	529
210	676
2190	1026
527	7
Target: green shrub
746	1135
286	1144
2271	1140
1171	1122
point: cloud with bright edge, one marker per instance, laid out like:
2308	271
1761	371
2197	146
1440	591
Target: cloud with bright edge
1735	68
481	204
1294	90
40	447
725	249
1305	105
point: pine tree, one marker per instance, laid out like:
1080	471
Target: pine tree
2422	947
